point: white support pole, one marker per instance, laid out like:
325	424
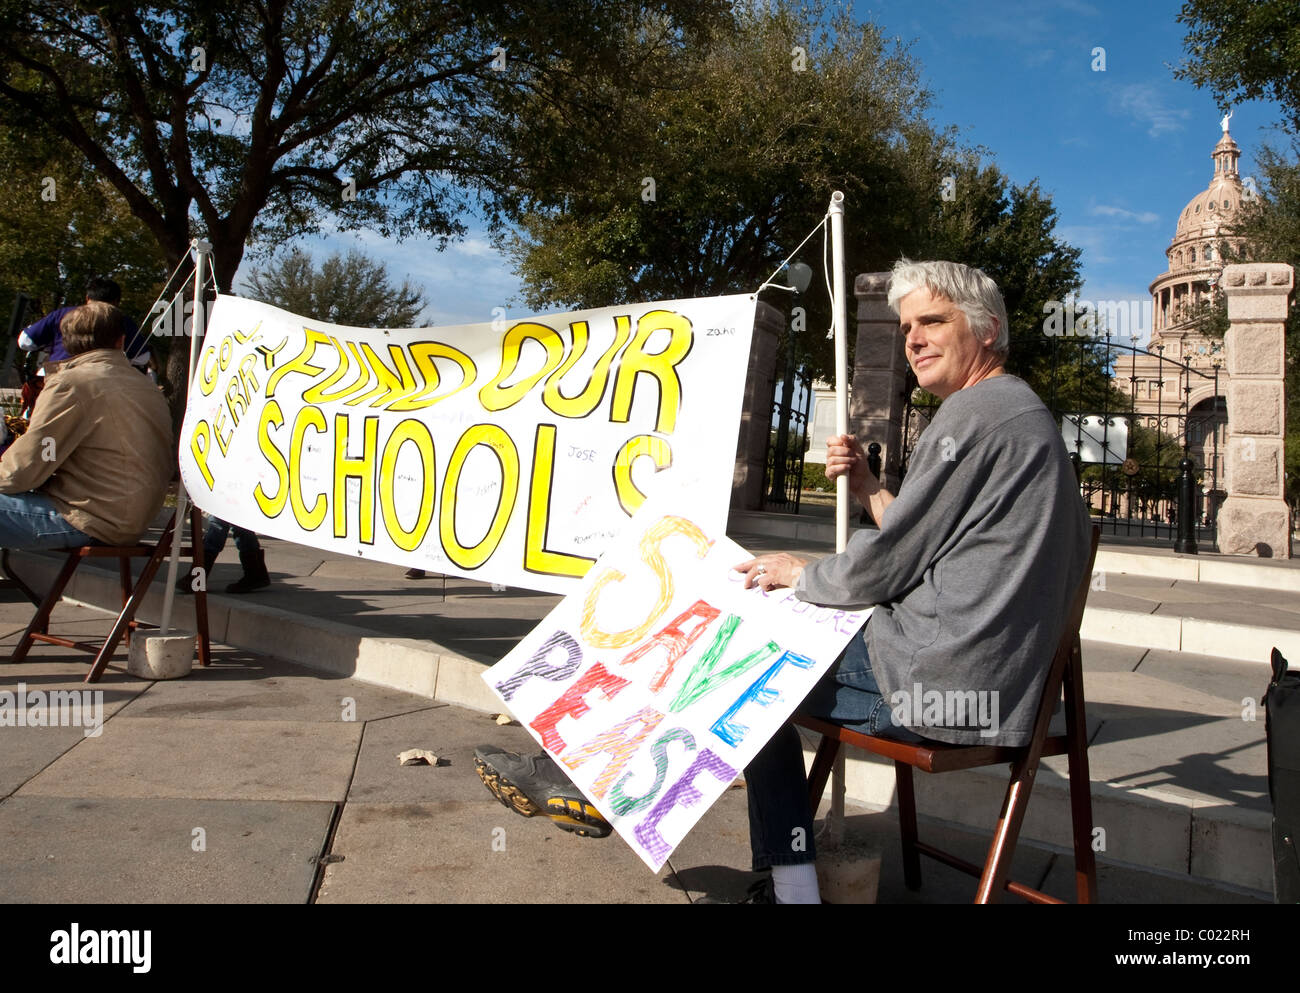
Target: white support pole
839	304
834	829
202	259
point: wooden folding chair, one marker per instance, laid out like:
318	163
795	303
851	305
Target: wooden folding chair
133	595
1066	673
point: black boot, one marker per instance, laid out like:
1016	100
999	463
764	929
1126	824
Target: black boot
255	575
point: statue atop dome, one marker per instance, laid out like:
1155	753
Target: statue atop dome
1224	123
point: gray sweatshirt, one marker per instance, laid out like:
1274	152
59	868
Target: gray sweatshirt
972	569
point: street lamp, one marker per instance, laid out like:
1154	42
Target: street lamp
799	275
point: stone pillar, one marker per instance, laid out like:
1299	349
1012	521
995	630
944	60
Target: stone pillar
1254	519
756	413
879	375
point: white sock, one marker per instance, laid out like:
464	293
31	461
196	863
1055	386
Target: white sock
796	883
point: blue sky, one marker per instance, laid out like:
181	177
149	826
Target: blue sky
1120	151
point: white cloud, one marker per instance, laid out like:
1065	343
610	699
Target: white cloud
1145	217
1145	104
474	248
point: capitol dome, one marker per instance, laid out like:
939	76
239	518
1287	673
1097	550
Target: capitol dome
1209	215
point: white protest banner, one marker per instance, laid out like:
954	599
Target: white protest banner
657	681
508	452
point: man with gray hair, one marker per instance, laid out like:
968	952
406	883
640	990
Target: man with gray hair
971	570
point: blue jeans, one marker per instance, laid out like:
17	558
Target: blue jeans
29	520
780	820
214	540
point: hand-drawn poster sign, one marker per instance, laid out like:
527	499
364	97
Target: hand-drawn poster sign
658	680
508	453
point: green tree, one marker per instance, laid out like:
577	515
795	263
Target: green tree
1269	225
1007	230
261	119
703	187
1158	454
60	224
347	289
1209	317
1244	50
1153	487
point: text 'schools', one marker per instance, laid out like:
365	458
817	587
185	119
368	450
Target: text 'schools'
510	453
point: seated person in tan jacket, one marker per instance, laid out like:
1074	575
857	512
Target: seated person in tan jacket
95	462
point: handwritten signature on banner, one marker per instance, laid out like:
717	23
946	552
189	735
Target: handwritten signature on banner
585	688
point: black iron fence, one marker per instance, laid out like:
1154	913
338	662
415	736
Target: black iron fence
787	442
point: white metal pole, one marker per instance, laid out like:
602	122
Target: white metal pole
839	303
202	250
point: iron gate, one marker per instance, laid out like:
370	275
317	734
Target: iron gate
787	442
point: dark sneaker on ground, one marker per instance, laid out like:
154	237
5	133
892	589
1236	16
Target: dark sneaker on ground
414	574
533	785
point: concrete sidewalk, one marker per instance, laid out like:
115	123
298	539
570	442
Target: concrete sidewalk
259	745
261	781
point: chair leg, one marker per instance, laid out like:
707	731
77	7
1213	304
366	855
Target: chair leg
907	825
200	596
823	762
1076	731
997	865
124	574
123	622
40	622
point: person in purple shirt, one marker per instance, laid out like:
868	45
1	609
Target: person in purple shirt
45	333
